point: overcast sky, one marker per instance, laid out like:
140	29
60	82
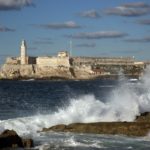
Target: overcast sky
95	27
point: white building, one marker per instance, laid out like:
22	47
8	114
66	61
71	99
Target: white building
23	49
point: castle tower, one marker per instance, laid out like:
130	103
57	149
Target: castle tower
23	50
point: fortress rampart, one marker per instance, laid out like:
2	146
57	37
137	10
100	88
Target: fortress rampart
53	61
68	67
102	61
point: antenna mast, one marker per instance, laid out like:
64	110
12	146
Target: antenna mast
70	48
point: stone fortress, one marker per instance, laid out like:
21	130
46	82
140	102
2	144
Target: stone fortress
64	66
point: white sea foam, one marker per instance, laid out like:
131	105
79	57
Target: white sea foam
124	103
72	142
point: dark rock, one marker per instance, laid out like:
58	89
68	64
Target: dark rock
144	117
27	143
10	139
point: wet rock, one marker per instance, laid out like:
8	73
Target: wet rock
122	128
60	127
10	139
144	117
27	143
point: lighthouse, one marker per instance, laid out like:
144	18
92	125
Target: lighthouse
23	50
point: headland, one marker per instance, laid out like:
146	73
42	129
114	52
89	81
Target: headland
9	139
66	67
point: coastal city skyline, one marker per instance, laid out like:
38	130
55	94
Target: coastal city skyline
94	27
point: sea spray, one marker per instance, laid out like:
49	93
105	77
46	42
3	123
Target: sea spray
123	103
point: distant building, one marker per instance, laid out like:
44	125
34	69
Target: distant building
94	65
61	60
24	59
23	49
63	54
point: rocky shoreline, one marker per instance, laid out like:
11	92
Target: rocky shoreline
139	128
27	72
10	139
56	78
114	128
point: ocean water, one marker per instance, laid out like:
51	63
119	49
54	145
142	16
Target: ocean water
29	106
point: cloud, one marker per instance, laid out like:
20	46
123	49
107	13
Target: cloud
6	29
87	45
90	14
130	10
139	40
56	26
98	35
137	5
144	22
14	4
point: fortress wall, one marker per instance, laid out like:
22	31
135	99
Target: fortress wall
105	58
31	60
16	60
53	61
12	60
102	61
45	61
63	61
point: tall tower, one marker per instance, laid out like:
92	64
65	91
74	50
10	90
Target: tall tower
23	50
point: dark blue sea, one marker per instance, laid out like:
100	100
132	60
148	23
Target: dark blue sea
27	106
